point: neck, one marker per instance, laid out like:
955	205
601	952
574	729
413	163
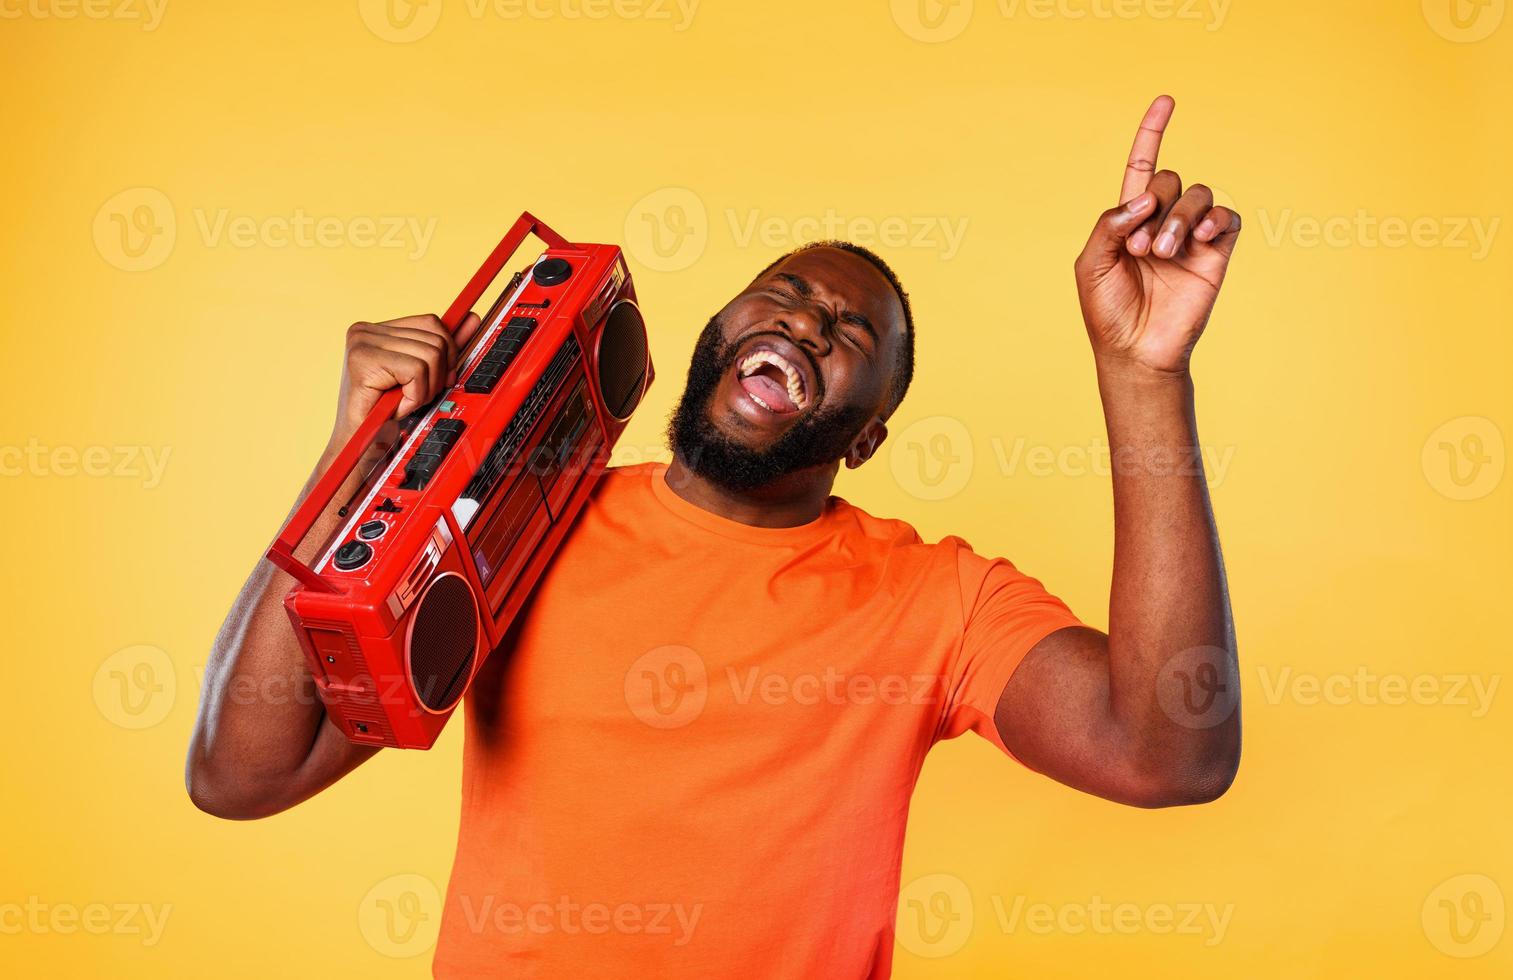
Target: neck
789	501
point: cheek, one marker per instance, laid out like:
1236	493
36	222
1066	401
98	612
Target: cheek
852	378
741	313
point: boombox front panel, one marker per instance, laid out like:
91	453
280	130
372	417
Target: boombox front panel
516	451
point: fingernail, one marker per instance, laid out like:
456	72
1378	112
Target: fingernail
1206	229
1140	241
1166	244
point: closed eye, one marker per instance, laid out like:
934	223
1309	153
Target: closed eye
862	323
802	291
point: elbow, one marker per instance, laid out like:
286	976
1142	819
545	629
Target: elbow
226	795
1205	785
208	796
1186	785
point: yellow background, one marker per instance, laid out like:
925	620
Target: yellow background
1327	372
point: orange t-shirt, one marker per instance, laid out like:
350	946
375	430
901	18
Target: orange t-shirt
696	761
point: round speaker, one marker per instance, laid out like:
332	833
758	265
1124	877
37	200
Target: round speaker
622	360
443	642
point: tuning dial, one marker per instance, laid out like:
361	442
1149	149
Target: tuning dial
353	554
551	272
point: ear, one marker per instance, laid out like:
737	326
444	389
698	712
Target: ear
866	443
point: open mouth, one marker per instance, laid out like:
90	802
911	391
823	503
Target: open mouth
773	381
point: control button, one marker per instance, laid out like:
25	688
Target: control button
447	406
441	437
439	441
419	472
522	322
388	506
551	272
353	554
372	529
484	378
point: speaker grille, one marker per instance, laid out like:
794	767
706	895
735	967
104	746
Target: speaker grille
622	359
443	639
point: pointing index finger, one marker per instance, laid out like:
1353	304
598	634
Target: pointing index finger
1142	155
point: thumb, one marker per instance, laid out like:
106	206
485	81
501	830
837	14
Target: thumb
466	329
1113	227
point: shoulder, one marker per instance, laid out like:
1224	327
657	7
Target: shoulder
628	474
896	534
952	557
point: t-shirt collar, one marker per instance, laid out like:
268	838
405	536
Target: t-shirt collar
725	527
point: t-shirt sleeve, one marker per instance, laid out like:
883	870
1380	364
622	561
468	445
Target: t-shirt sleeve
1004	614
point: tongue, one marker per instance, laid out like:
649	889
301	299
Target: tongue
769	391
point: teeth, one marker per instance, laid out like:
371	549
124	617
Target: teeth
795	380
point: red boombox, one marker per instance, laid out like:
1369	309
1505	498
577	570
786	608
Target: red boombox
446	537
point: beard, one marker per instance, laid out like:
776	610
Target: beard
820	436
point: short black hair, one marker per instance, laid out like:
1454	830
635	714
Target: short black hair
903	368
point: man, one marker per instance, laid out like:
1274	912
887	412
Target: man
708	720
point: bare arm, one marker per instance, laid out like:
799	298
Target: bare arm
262	741
1148	714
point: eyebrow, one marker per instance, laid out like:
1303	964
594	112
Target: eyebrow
801	286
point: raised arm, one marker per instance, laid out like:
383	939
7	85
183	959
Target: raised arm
262	742
1149	713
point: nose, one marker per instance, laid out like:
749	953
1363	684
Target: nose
807	326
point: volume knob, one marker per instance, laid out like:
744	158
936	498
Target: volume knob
551	272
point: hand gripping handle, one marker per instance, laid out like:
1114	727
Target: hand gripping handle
281	552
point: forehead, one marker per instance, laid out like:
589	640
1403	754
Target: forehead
842	277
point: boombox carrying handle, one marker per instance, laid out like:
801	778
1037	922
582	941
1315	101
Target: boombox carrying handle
281	552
